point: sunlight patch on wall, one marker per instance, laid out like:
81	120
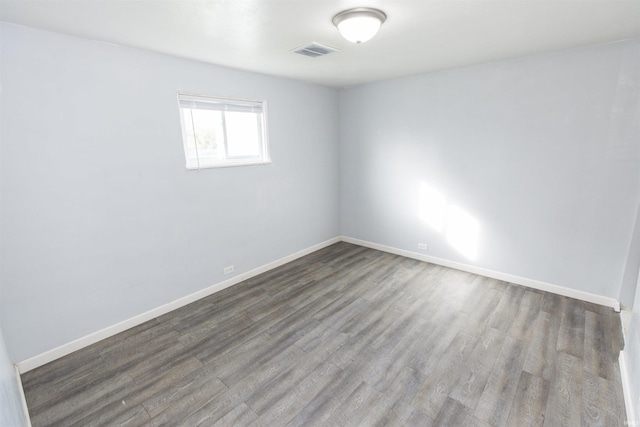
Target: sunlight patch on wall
433	207
462	232
460	229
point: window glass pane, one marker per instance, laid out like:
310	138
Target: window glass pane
243	137
209	137
221	132
189	141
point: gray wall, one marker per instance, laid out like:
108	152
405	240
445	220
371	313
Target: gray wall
632	343
540	154
100	219
632	266
11	413
632	353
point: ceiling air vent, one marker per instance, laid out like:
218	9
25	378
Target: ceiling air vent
314	50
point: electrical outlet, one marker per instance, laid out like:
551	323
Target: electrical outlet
228	270
423	246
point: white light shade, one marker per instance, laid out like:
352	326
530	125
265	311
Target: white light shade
360	24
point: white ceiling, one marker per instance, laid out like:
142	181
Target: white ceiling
257	35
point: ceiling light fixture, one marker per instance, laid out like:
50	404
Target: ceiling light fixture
360	24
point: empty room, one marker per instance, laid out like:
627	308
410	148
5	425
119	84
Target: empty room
319	213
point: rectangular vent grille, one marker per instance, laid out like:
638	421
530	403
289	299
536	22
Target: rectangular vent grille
314	50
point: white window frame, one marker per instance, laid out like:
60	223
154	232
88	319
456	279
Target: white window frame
224	104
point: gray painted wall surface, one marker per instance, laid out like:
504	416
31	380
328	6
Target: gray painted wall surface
632	266
11	413
632	354
538	158
100	219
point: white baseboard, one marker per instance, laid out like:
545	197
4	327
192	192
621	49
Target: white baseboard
87	340
535	284
632	419
23	400
68	348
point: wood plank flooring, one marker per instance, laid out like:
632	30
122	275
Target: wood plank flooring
349	336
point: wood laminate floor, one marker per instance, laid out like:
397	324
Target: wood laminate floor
349	336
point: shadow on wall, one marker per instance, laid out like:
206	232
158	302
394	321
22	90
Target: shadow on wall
460	229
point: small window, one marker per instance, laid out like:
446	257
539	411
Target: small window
219	132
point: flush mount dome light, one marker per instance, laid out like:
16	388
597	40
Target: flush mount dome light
360	24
